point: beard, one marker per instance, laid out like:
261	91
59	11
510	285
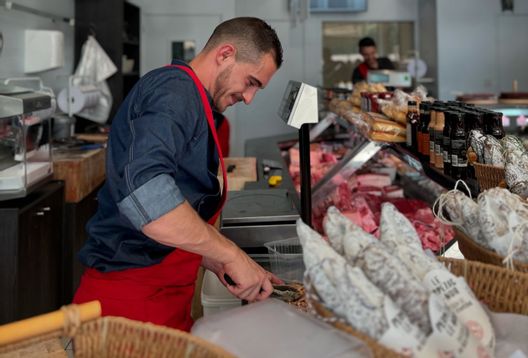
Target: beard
221	87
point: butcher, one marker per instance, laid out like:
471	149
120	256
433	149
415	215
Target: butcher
154	224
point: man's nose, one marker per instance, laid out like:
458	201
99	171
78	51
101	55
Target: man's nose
249	94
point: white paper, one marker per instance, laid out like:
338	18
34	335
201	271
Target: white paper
461	301
402	335
450	338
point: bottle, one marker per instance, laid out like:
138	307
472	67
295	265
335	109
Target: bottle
425	118
496	128
474	121
492	123
413	118
458	146
430	129
446	140
438	137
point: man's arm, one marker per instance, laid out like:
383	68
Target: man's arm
184	229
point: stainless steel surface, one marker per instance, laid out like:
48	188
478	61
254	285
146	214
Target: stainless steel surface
253	217
257	235
259	206
268	148
17	104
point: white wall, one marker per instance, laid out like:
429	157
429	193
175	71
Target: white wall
480	48
427	41
12	25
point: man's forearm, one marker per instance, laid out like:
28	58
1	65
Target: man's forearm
184	229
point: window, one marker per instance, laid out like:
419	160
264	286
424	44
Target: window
394	40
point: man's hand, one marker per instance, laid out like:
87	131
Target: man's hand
184	229
251	281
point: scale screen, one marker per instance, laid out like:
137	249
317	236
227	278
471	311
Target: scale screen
377	77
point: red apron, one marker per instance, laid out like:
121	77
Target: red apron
162	293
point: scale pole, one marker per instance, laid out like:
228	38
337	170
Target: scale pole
306	186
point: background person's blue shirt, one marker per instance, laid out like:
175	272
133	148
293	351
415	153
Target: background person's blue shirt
160	153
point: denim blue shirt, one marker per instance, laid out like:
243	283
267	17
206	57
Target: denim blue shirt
160	153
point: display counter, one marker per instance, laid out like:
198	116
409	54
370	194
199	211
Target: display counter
342	157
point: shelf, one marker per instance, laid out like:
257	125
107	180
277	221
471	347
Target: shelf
432	173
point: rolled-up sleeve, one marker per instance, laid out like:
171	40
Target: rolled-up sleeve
160	133
151	200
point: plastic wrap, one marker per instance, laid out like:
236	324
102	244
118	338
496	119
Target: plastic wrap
381	267
493	152
275	329
503	219
516	172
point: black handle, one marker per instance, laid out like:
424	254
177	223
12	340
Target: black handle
229	280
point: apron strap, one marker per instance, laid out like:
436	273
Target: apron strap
212	127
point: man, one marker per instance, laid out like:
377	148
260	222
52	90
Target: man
152	229
367	49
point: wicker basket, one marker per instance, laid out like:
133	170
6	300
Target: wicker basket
502	290
489	176
473	251
116	337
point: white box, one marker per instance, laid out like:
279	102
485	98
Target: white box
215	297
44	50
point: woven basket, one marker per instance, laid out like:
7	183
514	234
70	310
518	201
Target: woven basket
117	337
500	289
474	251
489	176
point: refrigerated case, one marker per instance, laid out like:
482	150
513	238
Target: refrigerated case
417	180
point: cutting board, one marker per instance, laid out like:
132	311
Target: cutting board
81	170
245	170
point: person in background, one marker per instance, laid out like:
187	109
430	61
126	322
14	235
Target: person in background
154	224
367	49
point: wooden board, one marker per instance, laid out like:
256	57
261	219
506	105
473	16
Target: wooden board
81	170
245	171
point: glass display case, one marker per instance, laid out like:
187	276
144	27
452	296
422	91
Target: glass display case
25	145
363	174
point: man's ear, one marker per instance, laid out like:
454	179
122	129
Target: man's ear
225	53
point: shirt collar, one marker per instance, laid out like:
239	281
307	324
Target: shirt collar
182	63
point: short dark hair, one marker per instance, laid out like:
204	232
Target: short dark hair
252	36
366	42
